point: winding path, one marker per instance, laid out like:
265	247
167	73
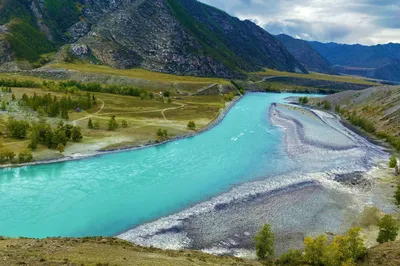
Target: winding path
89	116
149	111
172	108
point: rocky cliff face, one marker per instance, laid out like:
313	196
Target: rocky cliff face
146	34
305	54
182	37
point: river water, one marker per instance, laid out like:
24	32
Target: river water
214	190
108	194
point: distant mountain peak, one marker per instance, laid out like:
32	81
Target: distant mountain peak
305	54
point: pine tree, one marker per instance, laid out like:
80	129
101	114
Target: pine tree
90	124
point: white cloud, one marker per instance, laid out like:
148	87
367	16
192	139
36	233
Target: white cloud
343	21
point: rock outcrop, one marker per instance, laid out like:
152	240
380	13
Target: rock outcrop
181	37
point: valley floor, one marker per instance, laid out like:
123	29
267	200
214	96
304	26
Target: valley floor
144	118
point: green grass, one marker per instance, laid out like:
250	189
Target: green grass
144	118
313	75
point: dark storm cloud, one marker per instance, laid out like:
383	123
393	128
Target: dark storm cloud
346	21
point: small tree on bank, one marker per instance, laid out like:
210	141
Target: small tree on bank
76	134
388	229
60	148
25	156
191	125
264	242
112	124
327	105
392	161
393	164
90	124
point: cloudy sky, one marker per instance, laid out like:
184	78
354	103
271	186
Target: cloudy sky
344	21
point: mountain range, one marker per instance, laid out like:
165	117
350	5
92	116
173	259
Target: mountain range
182	37
377	62
306	54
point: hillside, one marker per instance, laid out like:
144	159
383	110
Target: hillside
376	110
182	37
112	251
305	54
390	72
102	251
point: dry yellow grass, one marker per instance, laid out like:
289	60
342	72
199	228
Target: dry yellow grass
318	76
102	251
137	73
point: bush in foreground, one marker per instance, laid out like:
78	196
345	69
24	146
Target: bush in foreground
388	229
264	241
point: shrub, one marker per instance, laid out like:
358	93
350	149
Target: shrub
363	123
397	196
3	105
90	124
303	100
76	134
327	105
314	249
25	156
191	125
264	242
112	124
388	229
392	161
291	258
17	128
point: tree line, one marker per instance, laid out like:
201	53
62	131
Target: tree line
72	86
53	106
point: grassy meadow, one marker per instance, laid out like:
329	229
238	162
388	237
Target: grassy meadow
143	116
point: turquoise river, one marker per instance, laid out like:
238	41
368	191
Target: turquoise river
109	194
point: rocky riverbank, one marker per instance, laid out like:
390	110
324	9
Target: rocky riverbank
327	189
